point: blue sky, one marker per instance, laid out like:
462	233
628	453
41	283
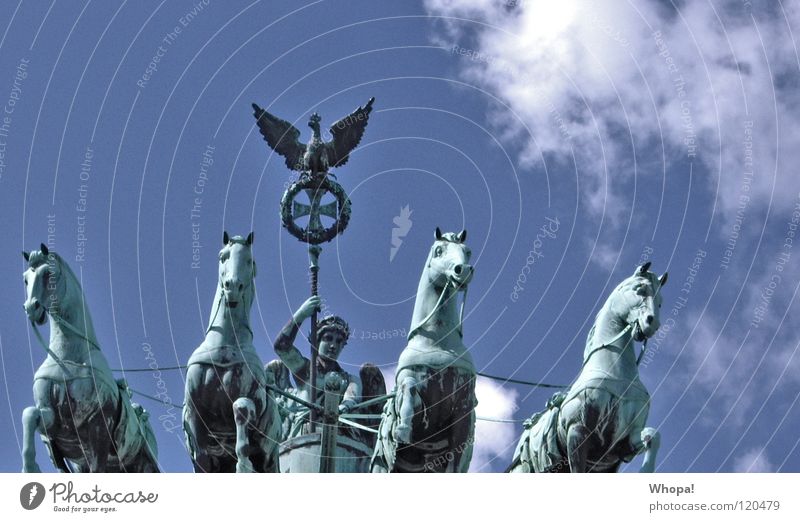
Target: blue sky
662	131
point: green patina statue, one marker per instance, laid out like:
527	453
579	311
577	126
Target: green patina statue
599	423
231	421
429	425
85	417
333	333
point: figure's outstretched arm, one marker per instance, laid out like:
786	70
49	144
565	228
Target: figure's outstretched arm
284	342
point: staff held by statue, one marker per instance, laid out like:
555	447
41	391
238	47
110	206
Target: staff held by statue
313	160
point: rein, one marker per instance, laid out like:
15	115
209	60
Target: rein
219	305
50	352
615	339
436	309
64	324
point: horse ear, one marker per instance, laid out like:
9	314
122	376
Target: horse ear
645	267
462	236
26	255
44	249
663	279
225	238
250	238
438	234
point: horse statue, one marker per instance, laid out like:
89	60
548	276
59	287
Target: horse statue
429	425
230	419
599	423
84	416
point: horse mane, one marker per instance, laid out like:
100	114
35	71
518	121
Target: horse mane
37	257
418	314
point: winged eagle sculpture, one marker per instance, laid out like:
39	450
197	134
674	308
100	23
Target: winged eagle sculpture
316	156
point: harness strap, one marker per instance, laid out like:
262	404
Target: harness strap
609	343
436	309
50	352
68	326
433	311
219	305
615	339
641	354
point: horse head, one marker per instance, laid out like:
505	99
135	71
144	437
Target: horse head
447	271
43	283
236	269
638	301
448	261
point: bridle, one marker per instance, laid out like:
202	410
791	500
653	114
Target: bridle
218	304
67	326
438	305
630	327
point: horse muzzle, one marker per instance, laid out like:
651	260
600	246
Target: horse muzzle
35	311
461	275
645	328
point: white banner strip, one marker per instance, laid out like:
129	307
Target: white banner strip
491	497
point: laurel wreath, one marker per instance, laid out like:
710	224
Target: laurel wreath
323	184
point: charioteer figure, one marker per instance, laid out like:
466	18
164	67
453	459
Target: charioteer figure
332	335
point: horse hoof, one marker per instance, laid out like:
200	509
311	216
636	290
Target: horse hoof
245	467
651	439
31	469
403	434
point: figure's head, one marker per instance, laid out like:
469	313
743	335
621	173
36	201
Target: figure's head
642	293
314	121
332	335
449	260
236	267
42	283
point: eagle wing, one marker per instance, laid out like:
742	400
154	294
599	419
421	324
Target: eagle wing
281	136
347	133
372	385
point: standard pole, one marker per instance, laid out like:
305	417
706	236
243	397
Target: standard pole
313	254
330	423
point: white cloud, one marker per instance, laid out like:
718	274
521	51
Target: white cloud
494	441
604	81
754	461
388	375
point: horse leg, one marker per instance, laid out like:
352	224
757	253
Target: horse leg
463	432
651	439
30	423
407	401
244	412
577	447
463	442
99	445
274	433
39	417
197	439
